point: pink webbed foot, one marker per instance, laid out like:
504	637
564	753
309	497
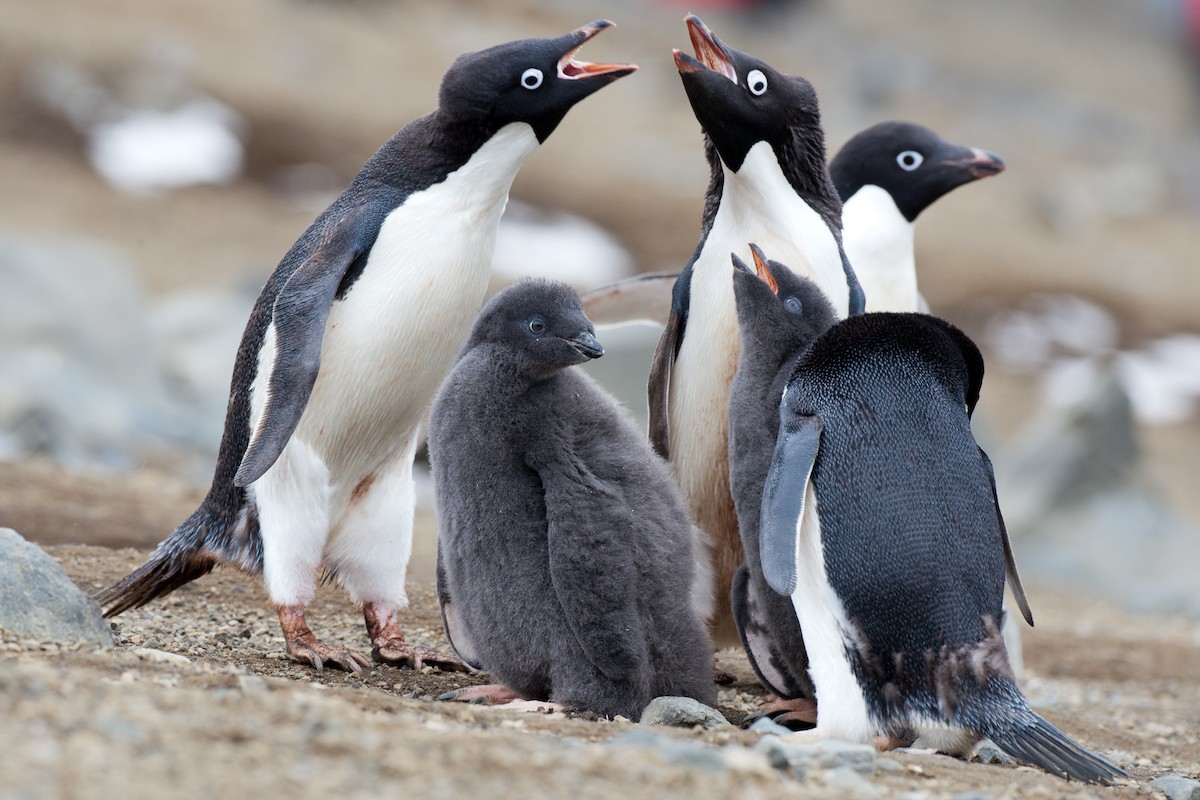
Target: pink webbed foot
499	696
799	713
306	648
388	645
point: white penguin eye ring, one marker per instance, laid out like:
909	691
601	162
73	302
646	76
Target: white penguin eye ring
531	78
756	82
909	160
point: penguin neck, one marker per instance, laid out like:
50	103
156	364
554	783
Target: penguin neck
429	150
879	243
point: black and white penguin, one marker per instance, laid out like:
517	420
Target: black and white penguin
880	521
565	553
347	345
886	176
770	185
780	314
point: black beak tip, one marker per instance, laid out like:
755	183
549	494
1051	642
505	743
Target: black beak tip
740	265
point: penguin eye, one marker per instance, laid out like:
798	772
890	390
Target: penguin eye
536	325
531	78
792	305
909	160
757	82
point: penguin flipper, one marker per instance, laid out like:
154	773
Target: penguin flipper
642	299
1010	561
592	574
658	385
783	508
754	633
456	632
299	316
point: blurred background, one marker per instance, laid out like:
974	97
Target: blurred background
157	158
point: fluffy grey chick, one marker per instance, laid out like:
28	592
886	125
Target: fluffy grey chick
565	565
780	314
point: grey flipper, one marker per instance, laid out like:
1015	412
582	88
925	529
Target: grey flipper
783	499
858	298
754	633
593	573
456	632
658	384
1010	562
299	316
640	300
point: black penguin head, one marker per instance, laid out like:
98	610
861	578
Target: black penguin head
531	80
741	101
538	324
777	308
911	163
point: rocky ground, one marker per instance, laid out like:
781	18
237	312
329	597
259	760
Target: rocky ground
198	699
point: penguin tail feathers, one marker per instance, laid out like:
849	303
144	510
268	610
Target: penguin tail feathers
1045	746
191	551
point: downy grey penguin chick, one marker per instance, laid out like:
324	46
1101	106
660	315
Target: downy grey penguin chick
768	184
780	314
347	345
880	521
565	555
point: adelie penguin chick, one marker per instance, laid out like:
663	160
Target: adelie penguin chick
565	563
880	521
780	314
347	345
886	176
769	184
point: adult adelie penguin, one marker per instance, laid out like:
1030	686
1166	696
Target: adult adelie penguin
770	185
565	556
880	521
886	176
347	344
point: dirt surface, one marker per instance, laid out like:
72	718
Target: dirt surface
199	699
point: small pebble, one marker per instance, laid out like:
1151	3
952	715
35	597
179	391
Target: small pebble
849	783
682	712
766	725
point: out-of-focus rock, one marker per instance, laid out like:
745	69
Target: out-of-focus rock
39	601
533	242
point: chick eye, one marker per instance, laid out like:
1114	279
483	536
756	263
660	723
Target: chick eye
792	305
909	160
536	325
757	82
531	78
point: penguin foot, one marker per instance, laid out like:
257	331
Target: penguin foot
499	696
389	647
489	694
722	677
303	646
798	713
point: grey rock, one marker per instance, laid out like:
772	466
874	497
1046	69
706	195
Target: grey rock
972	796
850	783
671	750
38	600
986	752
767	726
803	758
1177	787
682	712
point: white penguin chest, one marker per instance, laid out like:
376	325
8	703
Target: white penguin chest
390	341
879	243
758	206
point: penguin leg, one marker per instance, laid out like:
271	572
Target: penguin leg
369	554
292	499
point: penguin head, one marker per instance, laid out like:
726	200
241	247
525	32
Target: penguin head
539	326
532	80
911	163
740	101
776	307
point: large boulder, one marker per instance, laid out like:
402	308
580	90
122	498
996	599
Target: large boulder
39	601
